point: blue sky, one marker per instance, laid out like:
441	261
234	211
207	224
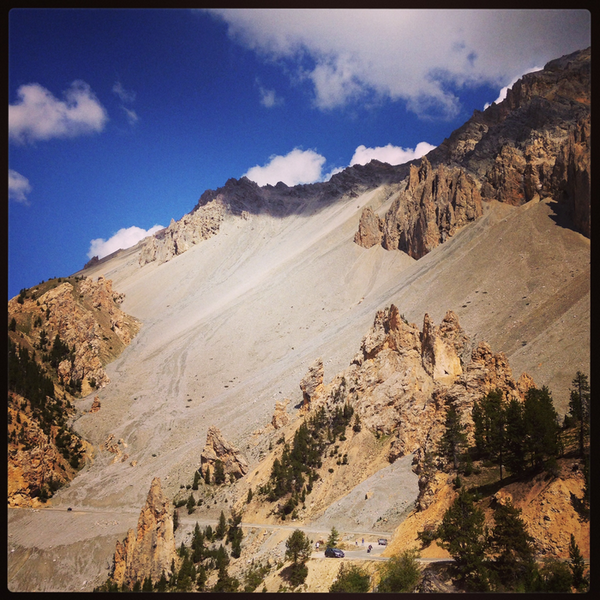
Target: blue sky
120	119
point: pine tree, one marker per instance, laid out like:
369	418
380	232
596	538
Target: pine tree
512	545
489	418
515	437
401	573
298	547
196	480
219	476
333	538
221	527
579	407
454	438
190	504
541	425
577	566
463	535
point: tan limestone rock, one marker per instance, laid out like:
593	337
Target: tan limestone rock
217	448
312	382
370	228
280	416
148	550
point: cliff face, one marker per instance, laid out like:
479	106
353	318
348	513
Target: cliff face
35	463
148	550
401	378
434	206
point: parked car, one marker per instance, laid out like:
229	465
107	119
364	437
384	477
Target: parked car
382	542
334	553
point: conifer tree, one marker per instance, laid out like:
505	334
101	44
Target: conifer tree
454	438
512	545
579	407
541	425
221	527
333	538
462	534
577	566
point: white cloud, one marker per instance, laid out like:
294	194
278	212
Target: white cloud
18	187
132	117
504	90
125	95
124	238
417	55
38	115
296	167
268	98
393	155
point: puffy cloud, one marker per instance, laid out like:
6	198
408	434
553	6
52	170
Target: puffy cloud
298	166
393	155
38	115
124	238
417	55
18	187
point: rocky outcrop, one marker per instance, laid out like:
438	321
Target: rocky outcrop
402	379
180	236
85	314
148	550
518	150
370	229
35	464
217	448
92	330
95	405
280	417
435	204
312	382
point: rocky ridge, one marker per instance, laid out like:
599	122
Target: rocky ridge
533	144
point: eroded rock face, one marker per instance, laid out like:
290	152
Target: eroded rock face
572	176
86	316
217	448
148	550
34	460
436	203
401	380
370	229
